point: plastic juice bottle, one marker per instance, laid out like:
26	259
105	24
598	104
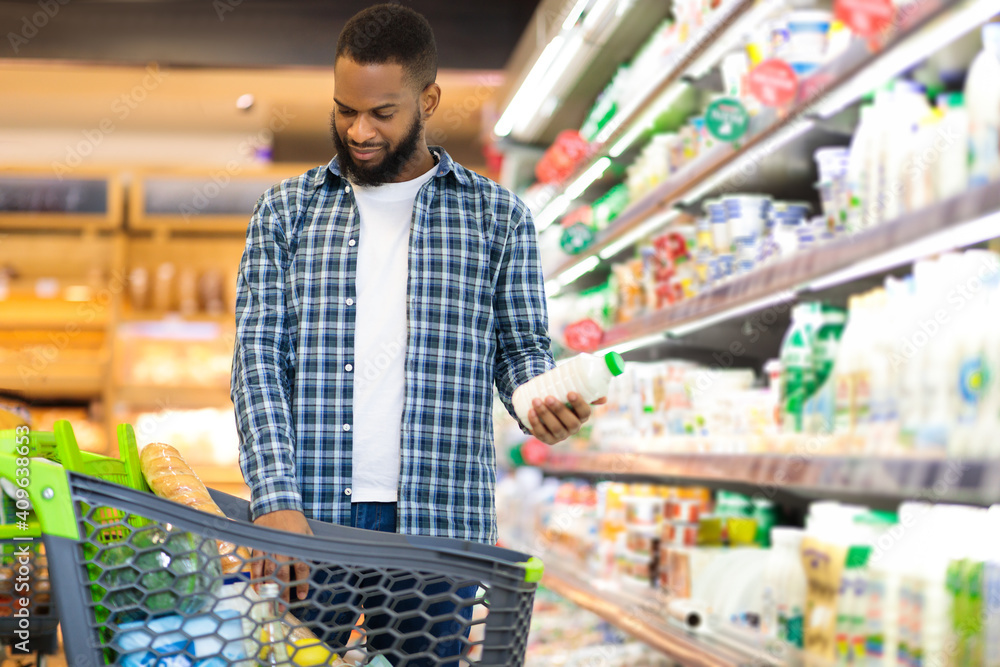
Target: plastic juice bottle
982	98
882	591
921	163
952	173
843	370
584	374
785	588
991	593
984	442
274	645
819	410
797	365
858	165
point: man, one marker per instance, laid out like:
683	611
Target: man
380	298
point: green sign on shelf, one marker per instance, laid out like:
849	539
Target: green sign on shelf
727	119
576	237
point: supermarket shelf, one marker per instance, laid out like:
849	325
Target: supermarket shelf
51	384
644	619
53	314
713	33
820	93
129	315
212	475
879	481
971	217
172	398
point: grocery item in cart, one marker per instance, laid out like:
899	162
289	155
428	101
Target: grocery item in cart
587	375
169	476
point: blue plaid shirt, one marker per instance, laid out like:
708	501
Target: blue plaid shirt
476	316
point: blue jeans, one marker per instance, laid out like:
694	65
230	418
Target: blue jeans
333	589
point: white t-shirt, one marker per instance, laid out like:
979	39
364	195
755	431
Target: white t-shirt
380	335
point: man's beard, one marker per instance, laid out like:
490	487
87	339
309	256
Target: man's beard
388	168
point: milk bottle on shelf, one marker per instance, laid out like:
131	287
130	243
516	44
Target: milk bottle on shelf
584	374
982	100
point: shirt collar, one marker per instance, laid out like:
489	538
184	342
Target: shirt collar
445	165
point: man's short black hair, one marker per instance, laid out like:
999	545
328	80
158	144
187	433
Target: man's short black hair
391	34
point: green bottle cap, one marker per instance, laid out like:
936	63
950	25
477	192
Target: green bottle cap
615	363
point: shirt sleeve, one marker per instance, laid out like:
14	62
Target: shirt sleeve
262	367
521	315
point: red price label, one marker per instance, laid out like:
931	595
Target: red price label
584	336
867	18
774	83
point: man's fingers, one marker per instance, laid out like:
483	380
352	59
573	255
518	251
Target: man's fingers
302	575
580	408
554	424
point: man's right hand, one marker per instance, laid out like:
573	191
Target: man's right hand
264	565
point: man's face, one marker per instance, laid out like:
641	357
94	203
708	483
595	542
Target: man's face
377	122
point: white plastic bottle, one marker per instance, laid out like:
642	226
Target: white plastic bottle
858	166
982	99
952	175
784	588
584	374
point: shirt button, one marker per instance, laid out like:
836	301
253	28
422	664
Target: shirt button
351	242
349	302
348	368
347	427
347	188
347	492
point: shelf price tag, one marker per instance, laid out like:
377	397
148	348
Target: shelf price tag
774	83
867	18
727	119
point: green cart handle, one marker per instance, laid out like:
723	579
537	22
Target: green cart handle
47	487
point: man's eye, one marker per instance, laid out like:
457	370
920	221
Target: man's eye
344	112
384	116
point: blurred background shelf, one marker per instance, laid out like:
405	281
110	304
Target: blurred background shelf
644	617
874	481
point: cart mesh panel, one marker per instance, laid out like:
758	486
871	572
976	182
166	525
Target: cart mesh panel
158	595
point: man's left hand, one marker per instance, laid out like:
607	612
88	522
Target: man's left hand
551	421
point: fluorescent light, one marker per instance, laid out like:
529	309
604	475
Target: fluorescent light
580	185
752	159
649	226
635	344
579	270
731	313
596	13
965	234
627	140
528	91
551	212
914	49
663	103
553	287
574	14
552	83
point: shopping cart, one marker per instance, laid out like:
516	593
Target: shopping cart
28	619
139	582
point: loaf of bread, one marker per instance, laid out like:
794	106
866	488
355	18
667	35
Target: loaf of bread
170	477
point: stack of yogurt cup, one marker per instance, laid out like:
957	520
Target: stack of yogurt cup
747	215
787	220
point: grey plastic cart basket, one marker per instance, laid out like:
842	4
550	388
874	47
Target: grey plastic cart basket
24	576
138	581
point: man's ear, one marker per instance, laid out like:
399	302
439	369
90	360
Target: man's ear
430	98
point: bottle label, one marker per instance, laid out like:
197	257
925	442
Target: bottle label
792	627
